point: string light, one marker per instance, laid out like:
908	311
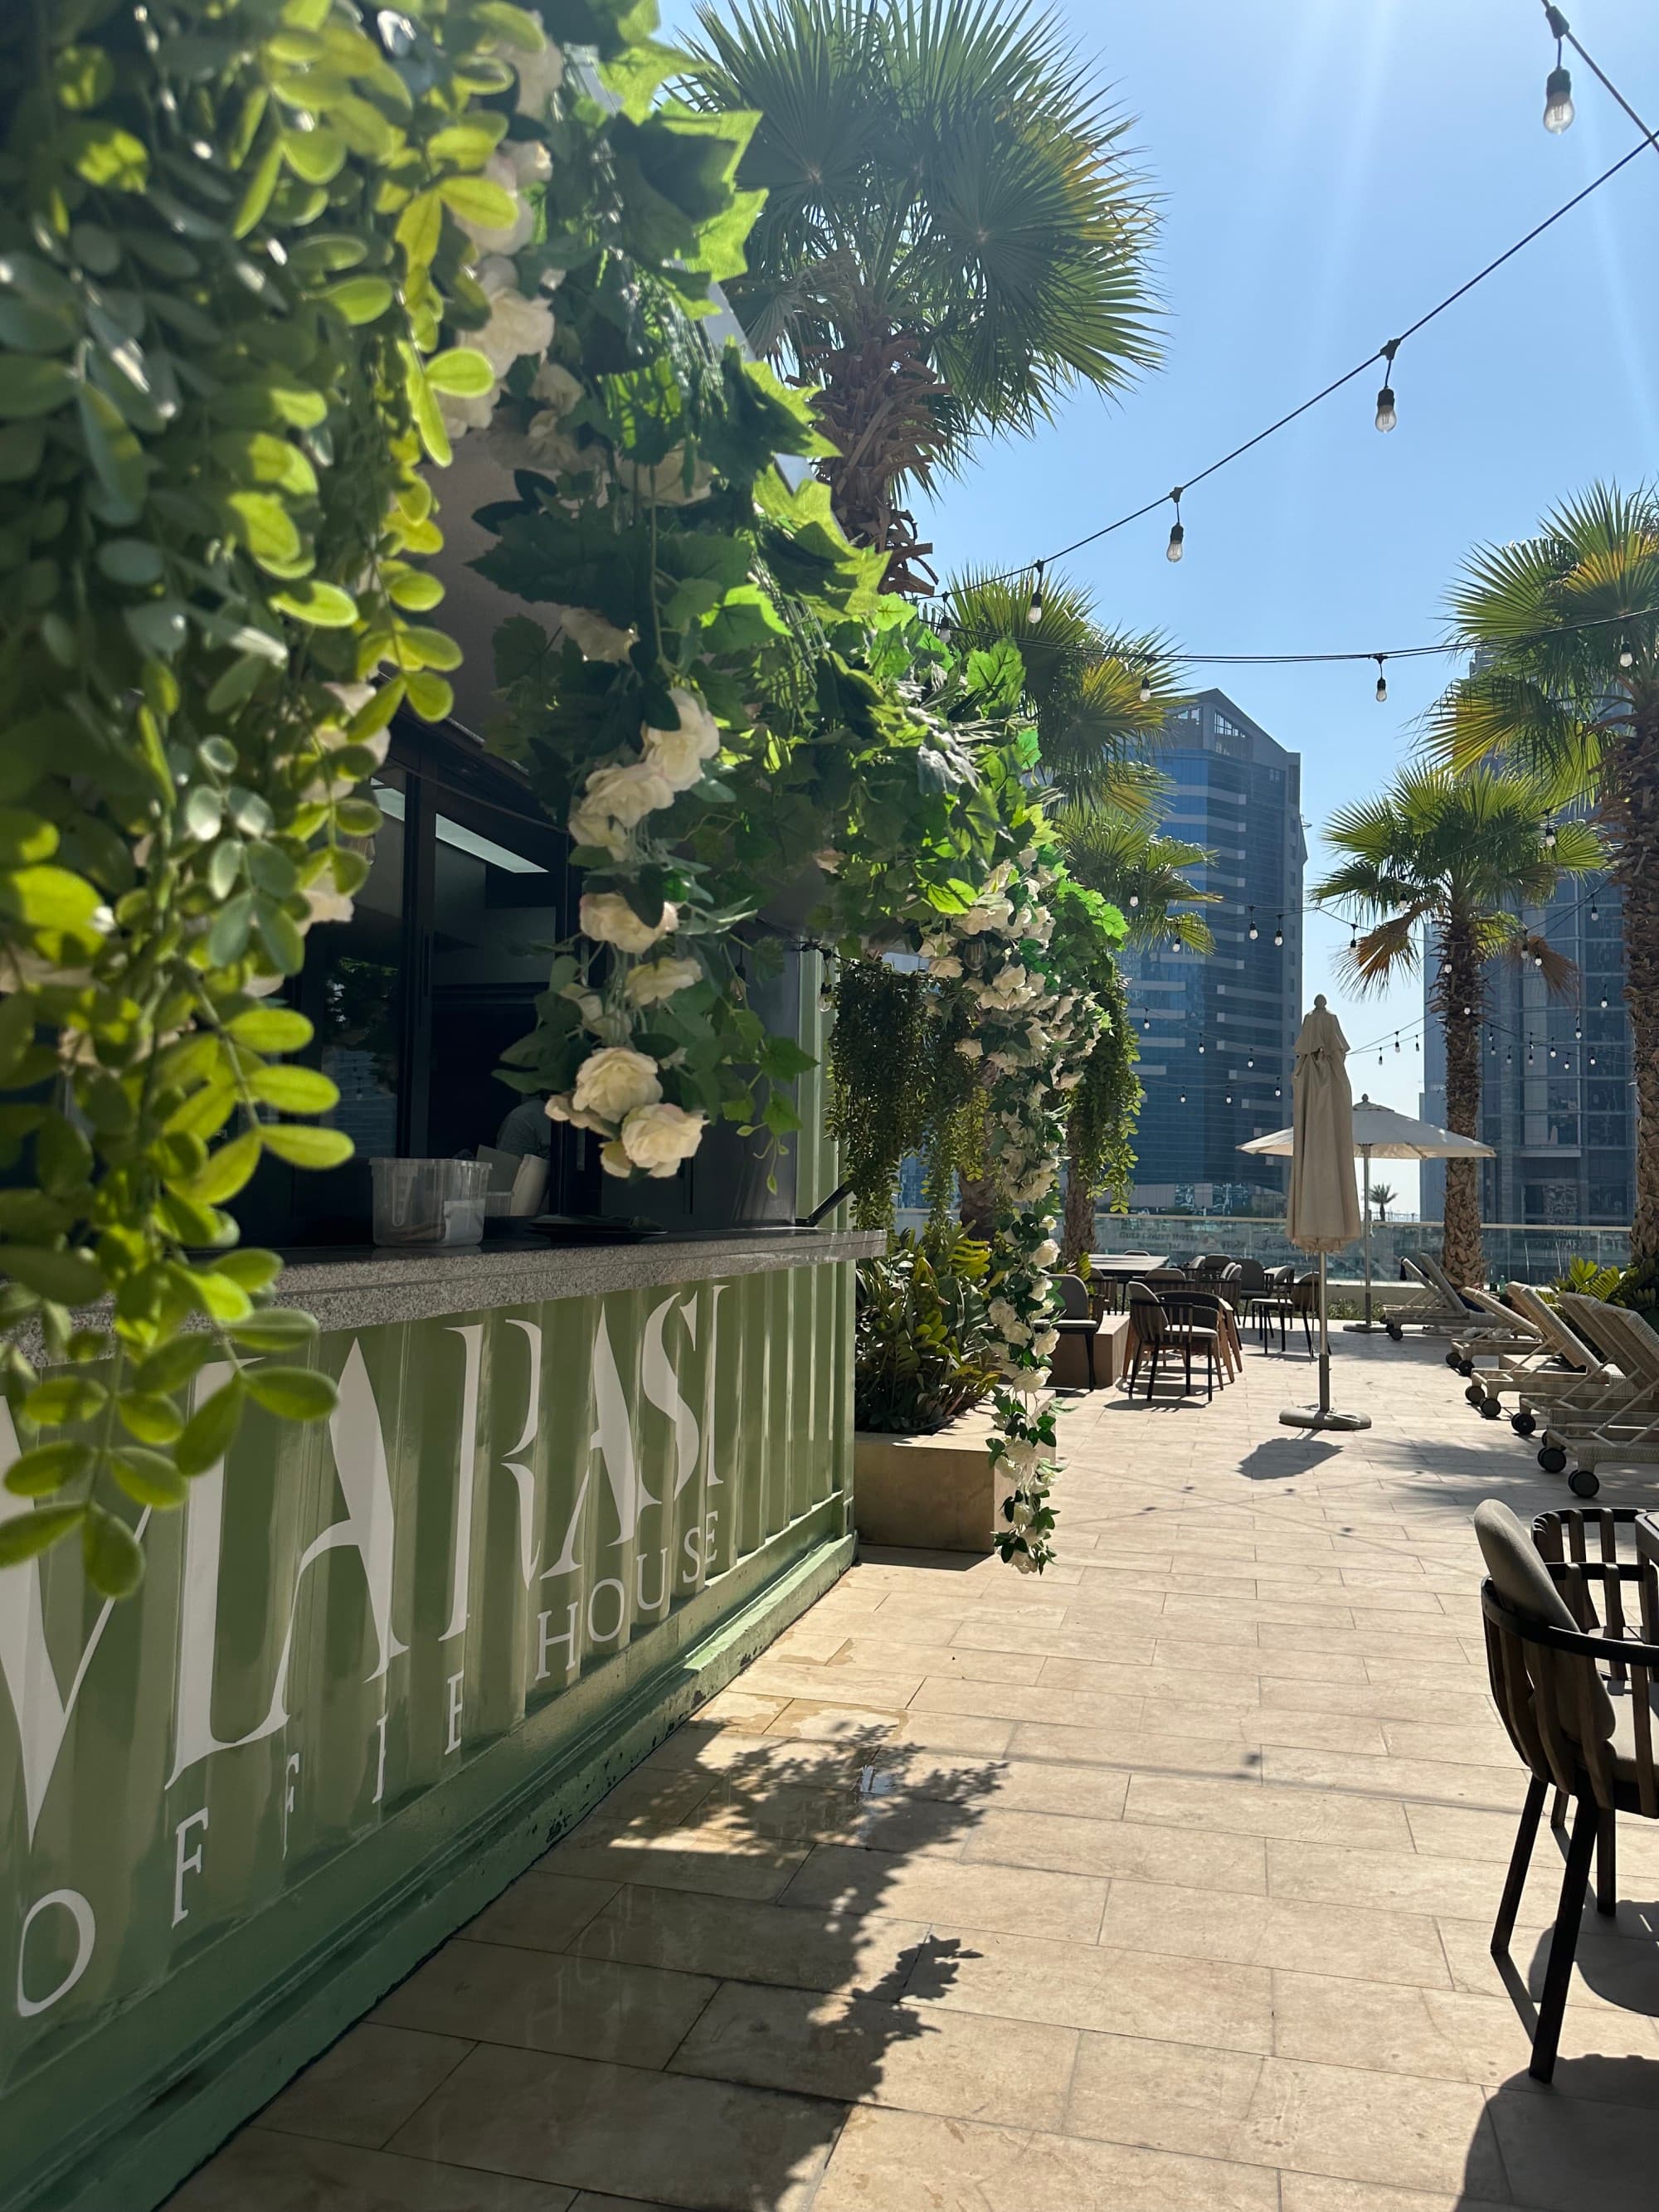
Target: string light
1626	657
1353	936
1386	416
1278	931
1178	544
1135	898
1557	85
1034	613
1549	836
1252	933
1596	911
1381	680
1145	689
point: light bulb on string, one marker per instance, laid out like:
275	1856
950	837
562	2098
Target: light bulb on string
1626	657
1145	687
1353	936
1278	931
1396	1044
1549	834
1596	911
1178	544
1135	898
1381	680
1034	613
1604	1005
1386	415
1252	933
1557	85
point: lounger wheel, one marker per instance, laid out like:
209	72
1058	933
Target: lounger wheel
1476	1394
1465	1366
1491	1408
1453	1362
1584	1482
1396	1331
1524	1424
1551	1459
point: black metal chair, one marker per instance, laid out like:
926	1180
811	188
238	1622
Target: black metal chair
1274	1303
1078	1317
1205	1309
1545	1646
1156	1334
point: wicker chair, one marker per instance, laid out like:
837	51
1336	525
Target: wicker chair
1544	1644
1156	1334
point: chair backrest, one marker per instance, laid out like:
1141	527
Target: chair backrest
1553	1327
1510	1317
1189	1300
1210	1263
1252	1275
1164	1279
1074	1297
1151	1323
1636	1347
1542	1666
1281	1279
1442	1284
1304	1295
1594	1322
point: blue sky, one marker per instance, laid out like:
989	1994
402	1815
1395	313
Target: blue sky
1327	169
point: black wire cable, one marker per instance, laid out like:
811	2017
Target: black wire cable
1382	353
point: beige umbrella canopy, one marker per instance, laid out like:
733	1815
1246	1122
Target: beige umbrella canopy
1323	1213
1380	1133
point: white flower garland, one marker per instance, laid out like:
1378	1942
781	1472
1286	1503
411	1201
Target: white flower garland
1036	1036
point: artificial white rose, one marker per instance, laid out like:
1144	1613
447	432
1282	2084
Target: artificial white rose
1021	1514
1069	1082
1047	1253
614	1080
628	792
556	386
1025	1563
516	326
1001	1313
595	638
657	1138
1045	1341
528	159
592	825
539	75
560	1108
326	904
501	169
947	970
463	412
607	917
615	1161
657	980
971	1048
678	755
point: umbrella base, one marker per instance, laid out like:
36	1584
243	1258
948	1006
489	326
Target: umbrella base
1321	1417
1364	1329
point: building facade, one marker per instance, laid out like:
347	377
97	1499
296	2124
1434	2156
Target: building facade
1557	1104
1216	1030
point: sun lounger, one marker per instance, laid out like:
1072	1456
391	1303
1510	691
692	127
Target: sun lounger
1557	1367
1626	1432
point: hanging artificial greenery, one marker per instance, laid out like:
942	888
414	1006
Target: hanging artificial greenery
237	248
1106	1104
881	1080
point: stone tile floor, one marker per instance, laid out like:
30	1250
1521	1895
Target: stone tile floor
1163	1884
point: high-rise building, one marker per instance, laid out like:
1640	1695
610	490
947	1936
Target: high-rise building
1216	1030
1557	1104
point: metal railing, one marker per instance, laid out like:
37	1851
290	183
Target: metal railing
1525	1251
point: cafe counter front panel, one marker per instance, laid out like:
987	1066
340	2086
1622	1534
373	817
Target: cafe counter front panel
376	1665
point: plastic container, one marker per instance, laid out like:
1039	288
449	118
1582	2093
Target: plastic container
429	1202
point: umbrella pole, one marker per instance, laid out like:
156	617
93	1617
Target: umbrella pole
1365	1327
1323	1415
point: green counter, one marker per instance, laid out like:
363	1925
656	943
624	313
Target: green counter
378	1664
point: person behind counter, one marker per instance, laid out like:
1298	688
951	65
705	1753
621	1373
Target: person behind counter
527	1128
520	1159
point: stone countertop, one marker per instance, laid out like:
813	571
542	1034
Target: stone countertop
361	1287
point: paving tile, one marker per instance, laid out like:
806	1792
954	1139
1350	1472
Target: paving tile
589	2007
862	2050
364	2087
1318	2193
542	1910
1565	2155
1165	2096
1256	1809
1020	1978
669	2139
884	2162
259	2172
1363	2126
732	1939
718	1864
1118	1847
1219	1755
1059	1904
1412	1881
1016	1701
1372	1945
1495	1786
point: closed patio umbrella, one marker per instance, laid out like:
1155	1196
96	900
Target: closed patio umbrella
1380	1133
1323	1213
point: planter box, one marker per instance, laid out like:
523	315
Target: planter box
933	1493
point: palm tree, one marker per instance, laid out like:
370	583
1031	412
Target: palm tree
1566	688
952	237
1454	855
1382	1197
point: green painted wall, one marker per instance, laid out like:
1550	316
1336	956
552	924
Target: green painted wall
375	1665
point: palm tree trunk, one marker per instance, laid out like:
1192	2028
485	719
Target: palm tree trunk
1461	1253
877	402
1630	811
1077	1226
